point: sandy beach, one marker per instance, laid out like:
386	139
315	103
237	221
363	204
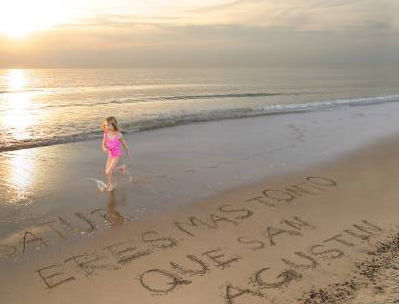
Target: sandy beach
295	208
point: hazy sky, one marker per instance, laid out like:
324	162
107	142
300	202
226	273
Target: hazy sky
124	33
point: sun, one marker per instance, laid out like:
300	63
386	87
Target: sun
21	18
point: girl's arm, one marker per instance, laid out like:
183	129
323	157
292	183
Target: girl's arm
124	144
103	144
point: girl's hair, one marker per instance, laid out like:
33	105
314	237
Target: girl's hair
113	122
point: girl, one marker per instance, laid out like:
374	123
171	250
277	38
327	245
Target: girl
112	143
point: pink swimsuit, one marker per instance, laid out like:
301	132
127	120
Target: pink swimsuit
114	145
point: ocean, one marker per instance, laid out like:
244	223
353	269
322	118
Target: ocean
40	107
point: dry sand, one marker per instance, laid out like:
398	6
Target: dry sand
322	231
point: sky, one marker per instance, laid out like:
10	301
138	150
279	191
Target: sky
174	33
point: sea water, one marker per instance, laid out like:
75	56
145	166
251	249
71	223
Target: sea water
53	106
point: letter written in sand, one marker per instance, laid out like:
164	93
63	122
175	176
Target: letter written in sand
29	237
151	238
91	226
7	251
286	277
194	222
200	268
88	263
53	279
327	254
234	292
219	258
127	253
271	233
161	281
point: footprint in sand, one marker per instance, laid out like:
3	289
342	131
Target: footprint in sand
358	114
165	175
191	170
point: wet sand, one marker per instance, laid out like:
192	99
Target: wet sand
224	212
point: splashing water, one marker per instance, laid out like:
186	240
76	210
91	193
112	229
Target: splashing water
130	175
123	169
100	184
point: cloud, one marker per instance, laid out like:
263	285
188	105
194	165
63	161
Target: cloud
221	6
240	32
309	15
195	45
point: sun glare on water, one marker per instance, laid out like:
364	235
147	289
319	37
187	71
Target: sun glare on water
21	18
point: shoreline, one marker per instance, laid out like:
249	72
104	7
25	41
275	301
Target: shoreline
232	114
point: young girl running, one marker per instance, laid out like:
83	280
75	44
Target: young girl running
112	143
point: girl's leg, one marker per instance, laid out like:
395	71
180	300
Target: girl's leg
107	171
107	164
110	169
121	168
106	168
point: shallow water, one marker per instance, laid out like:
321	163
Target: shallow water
55	106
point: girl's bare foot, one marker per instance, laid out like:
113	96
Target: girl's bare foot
109	188
123	168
